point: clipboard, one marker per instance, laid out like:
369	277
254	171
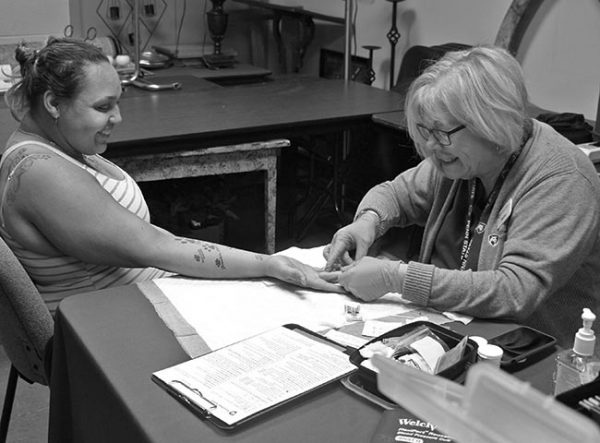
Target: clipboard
234	385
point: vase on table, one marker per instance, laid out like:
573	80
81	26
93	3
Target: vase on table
217	24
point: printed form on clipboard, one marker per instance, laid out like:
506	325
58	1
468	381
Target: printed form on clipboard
234	384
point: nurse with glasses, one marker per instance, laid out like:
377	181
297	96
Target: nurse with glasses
440	136
509	209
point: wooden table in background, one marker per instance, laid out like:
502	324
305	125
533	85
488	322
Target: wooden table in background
218	160
204	114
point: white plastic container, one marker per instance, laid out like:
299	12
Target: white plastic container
491	354
520	413
578	366
479	340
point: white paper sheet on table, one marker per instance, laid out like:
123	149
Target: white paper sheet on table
225	311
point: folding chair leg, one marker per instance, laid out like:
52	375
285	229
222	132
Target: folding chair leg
11	387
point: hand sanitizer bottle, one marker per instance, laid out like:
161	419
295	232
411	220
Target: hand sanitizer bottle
578	366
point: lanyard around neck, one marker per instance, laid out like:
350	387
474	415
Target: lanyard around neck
487	209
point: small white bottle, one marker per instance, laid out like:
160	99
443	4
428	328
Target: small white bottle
578	366
480	341
491	354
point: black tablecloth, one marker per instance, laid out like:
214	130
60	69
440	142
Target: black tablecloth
108	343
106	346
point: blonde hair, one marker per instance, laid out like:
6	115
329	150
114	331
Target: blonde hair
481	87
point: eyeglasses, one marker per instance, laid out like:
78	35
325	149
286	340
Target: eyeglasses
442	137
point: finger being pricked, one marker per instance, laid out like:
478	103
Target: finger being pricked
335	262
330	276
296	277
340	244
321	284
308	277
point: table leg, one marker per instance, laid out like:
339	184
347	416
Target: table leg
270	204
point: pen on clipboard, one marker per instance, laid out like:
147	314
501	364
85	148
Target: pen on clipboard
212	404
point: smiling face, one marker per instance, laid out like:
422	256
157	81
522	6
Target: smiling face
482	88
87	121
467	156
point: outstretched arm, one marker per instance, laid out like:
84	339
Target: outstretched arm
55	207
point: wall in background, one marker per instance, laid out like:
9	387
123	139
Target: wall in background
561	56
31	19
175	21
34	20
560	52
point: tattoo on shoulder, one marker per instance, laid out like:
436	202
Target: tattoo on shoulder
18	166
259	257
22	154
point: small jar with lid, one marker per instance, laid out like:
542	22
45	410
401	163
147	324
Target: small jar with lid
480	341
490	354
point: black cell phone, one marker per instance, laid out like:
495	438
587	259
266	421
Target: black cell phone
523	346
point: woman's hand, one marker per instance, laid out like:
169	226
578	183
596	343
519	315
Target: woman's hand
297	273
369	278
358	236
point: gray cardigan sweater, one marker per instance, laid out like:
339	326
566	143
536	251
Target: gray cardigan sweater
539	262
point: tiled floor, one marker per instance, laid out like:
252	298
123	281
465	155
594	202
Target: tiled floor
29	422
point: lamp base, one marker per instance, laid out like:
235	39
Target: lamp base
218	61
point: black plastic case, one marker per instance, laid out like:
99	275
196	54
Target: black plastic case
364	380
522	347
574	397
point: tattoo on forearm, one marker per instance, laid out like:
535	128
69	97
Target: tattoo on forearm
204	250
219	262
27	161
185	241
199	256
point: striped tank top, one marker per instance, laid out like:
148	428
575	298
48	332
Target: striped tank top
59	276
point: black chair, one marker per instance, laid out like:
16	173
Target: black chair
417	58
26	329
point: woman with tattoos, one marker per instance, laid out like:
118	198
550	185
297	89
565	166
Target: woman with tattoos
76	221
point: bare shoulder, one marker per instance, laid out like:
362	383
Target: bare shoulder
35	170
28	155
23	155
17	153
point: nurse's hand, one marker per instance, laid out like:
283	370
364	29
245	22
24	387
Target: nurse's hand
292	271
357	236
369	278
